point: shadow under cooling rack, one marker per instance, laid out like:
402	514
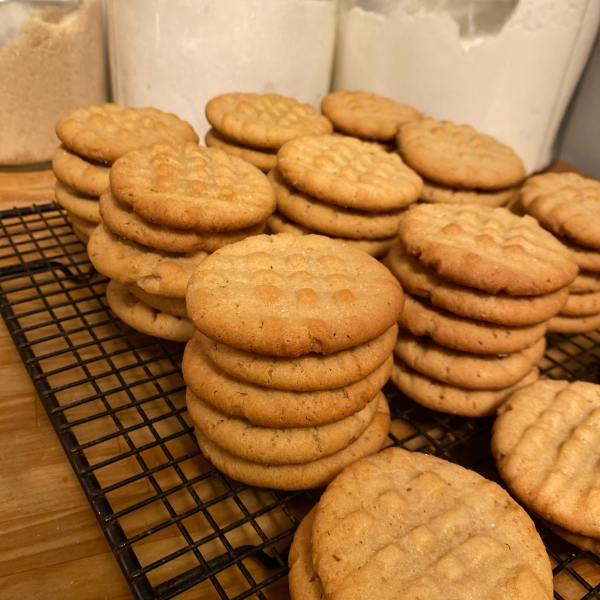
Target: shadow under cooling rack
176	525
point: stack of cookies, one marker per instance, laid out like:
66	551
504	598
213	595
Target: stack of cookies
482	285
546	442
92	139
255	126
342	187
167	208
294	343
568	205
459	165
406	525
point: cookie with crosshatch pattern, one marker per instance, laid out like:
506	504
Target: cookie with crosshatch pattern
546	442
285	295
265	160
264	120
348	172
409	525
192	187
106	132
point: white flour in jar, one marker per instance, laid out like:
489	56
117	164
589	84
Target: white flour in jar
178	55
507	67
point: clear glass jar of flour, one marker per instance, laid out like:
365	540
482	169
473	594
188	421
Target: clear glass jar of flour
52	60
507	67
178	55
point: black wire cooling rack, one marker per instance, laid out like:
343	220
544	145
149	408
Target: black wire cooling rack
177	526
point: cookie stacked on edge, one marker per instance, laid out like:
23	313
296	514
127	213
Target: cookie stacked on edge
168	207
459	165
344	188
481	287
568	205
92	139
254	126
294	343
408	525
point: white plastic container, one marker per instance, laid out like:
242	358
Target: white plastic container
178	55
507	67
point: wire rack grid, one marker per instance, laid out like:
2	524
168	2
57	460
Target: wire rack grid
116	399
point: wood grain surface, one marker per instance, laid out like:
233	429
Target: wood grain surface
51	547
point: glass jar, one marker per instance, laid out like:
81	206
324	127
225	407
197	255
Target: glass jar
52	60
507	67
178	55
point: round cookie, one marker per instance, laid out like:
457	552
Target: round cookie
567	204
85	227
108	131
144	319
191	187
76	172
317	473
458	155
310	372
468	302
276	408
264	120
367	115
264	160
279	224
284	295
329	219
586	259
409	525
585	282
489	249
546	442
561	324
438	194
158	273
292	445
304	582
348	172
463	370
84	207
172	306
125	223
581	305
460	333
450	399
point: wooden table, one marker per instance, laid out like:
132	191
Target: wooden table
51	546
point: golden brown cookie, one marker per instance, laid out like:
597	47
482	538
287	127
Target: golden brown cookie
125	223
171	306
409	525
585	258
562	324
85	207
439	194
264	120
348	172
306	373
567	204
285	295
465	370
267	445
581	305
451	399
81	235
267	407
108	131
449	330
317	473
585	282
143	318
265	160
158	273
83	176
489	249
85	227
277	223
304	582
458	155
367	115
329	219
546	442
191	187
468	302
